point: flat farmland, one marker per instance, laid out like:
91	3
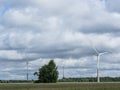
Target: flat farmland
61	86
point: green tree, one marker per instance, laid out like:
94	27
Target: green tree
48	73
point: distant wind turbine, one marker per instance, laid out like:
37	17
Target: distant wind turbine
27	65
63	73
27	70
98	54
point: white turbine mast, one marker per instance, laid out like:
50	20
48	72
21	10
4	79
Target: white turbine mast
27	65
98	54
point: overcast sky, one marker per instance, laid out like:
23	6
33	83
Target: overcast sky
63	30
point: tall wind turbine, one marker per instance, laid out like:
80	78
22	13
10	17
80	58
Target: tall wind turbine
98	54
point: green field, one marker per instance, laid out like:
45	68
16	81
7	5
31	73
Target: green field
62	86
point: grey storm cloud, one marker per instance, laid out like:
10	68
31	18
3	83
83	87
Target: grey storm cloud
113	6
40	30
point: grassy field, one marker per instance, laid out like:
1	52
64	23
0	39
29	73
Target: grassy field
62	86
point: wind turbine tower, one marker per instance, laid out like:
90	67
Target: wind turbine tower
27	69
63	72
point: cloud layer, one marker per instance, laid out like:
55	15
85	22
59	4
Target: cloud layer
64	30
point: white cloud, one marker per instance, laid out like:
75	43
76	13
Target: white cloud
10	54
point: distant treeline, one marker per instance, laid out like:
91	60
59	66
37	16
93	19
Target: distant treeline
86	79
16	81
91	79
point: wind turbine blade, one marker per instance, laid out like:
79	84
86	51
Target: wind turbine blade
93	47
95	50
103	53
